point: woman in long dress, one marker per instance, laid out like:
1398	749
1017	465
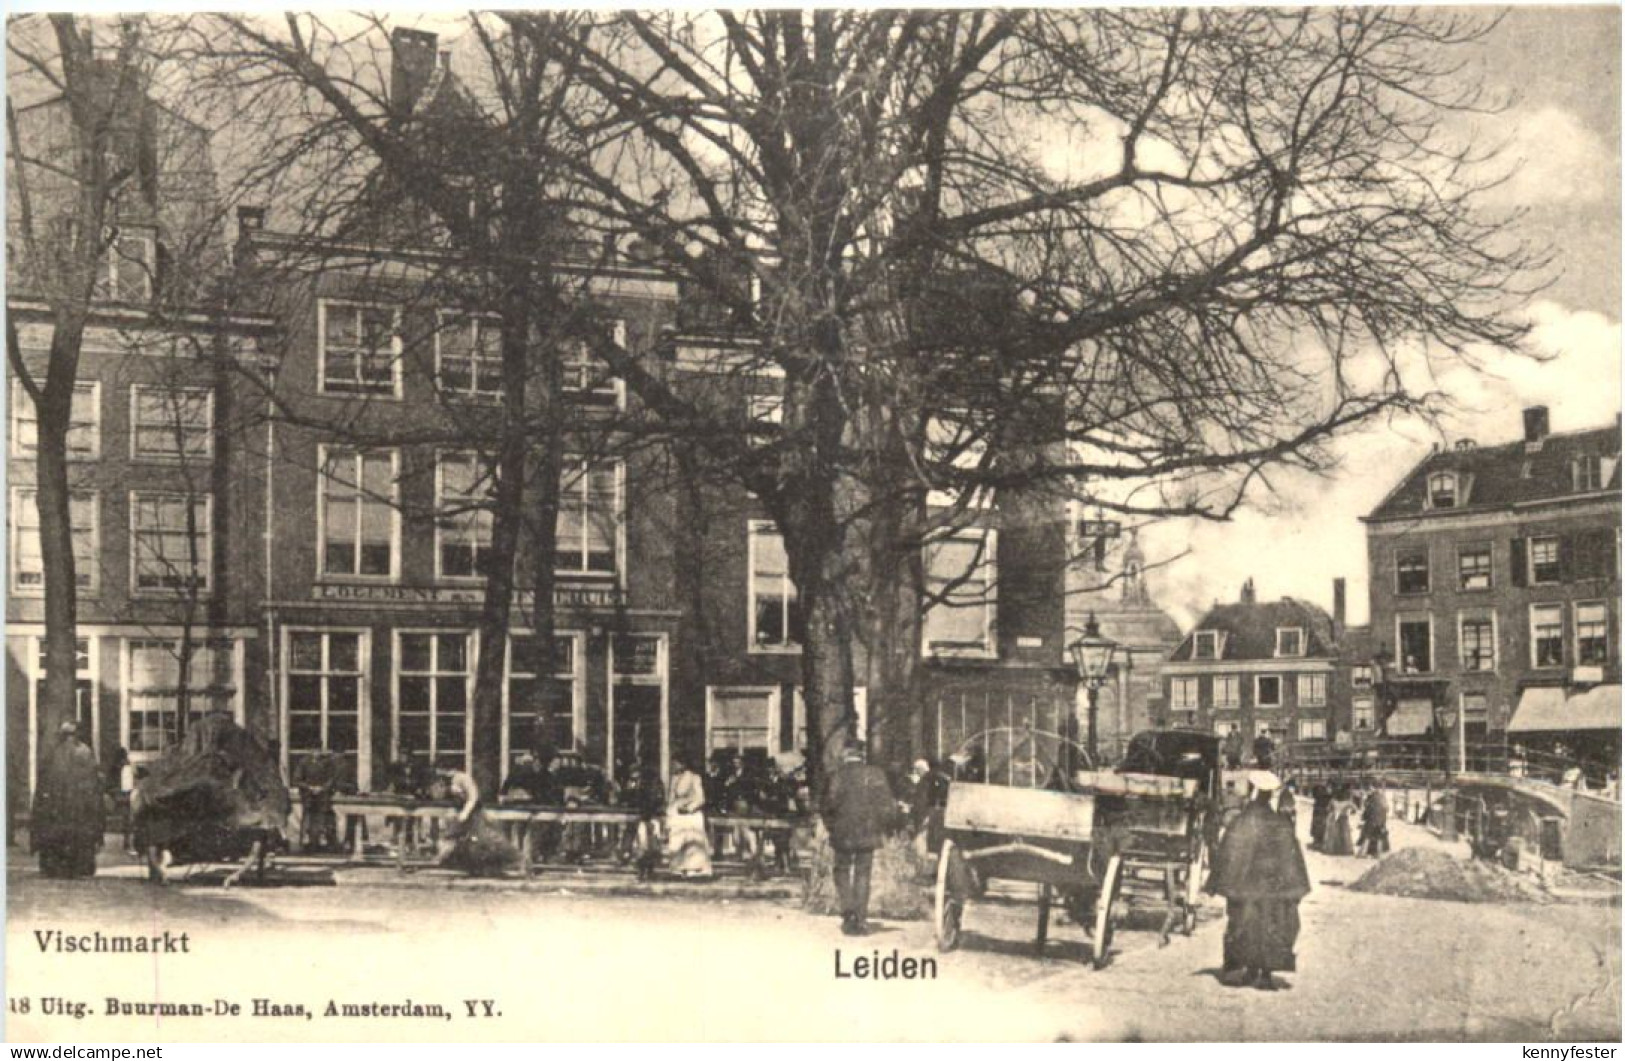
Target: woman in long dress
1340	825
687	845
471	844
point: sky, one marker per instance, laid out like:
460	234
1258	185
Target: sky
1560	69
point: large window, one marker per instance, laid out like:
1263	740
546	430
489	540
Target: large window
742	719
462	530
530	722
132	263
1415	646
774	609
326	681
360	348
154	690
1182	694
27	563
84	421
358	514
1226	690
956	451
468	355
587	376
170	542
1546	634
959	573
1591	633
171	423
1473	564
1413	572
432	689
1267	690
590	524
1477	643
1311	690
1545	564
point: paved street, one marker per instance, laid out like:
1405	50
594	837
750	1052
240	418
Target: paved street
569	966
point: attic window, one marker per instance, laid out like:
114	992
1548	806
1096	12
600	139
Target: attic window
1587	471
1289	641
1442	490
1206	645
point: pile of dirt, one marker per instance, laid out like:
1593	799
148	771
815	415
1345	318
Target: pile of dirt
1418	873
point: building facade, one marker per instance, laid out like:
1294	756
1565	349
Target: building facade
1262	668
1494	572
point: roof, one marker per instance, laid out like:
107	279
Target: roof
1495	476
1138	625
1250	629
1546	709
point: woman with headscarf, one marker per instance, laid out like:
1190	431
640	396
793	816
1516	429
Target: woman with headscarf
68	817
1259	870
688	847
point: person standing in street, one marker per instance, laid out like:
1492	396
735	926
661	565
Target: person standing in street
687	845
858	810
1259	869
69	816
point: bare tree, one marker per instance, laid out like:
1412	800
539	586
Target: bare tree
1147	255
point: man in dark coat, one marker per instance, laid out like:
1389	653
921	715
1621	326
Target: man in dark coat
1260	872
68	818
859	810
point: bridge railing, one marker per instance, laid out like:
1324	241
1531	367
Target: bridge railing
1417	757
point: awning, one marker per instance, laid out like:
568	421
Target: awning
1411	718
1548	709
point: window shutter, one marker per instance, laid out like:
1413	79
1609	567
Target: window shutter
1520	562
1565	559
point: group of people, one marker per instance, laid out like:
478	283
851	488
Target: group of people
1349	821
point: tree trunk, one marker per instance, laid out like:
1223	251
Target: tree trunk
52	495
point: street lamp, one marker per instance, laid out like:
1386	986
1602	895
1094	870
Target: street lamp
1092	655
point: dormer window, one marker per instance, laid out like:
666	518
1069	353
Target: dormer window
1443	490
1289	641
1587	473
1206	645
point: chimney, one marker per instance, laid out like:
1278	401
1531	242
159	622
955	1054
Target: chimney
1340	608
1537	424
1248	596
413	53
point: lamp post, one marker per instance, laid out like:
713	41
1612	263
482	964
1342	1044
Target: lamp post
1092	655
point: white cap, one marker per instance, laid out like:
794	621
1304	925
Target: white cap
1263	780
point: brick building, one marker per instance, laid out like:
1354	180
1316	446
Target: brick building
1495	585
1263	668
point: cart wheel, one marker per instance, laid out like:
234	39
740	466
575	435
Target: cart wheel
950	907
1194	875
1103	910
1043	916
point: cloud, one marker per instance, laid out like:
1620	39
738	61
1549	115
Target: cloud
1293	543
1551	158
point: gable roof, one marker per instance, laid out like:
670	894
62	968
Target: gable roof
1249	630
1507	475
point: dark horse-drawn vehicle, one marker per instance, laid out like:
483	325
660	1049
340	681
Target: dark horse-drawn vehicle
218	796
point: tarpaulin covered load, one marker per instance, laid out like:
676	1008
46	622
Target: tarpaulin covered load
212	796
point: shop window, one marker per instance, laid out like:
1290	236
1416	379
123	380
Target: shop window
154	691
531	722
326	677
432	674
